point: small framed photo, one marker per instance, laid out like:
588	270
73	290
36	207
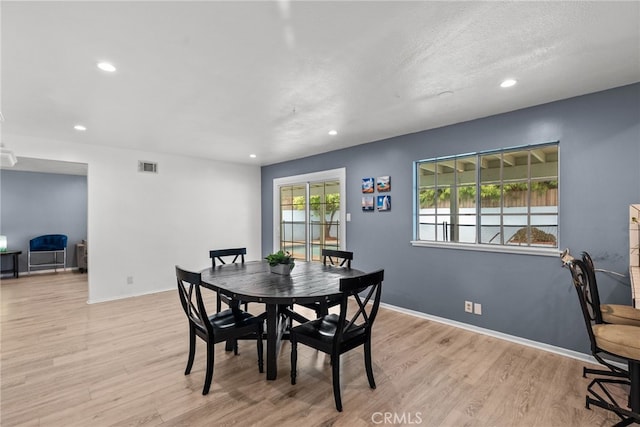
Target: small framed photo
368	185
384	184
384	203
367	203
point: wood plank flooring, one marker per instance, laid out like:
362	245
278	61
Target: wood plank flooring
67	363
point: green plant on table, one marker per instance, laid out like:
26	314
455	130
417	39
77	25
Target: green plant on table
280	257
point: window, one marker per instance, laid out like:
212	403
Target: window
502	198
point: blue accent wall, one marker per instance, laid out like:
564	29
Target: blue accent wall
522	295
34	204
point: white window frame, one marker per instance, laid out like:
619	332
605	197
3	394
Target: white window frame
339	174
528	250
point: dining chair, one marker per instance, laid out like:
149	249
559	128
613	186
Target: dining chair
231	324
592	296
335	334
338	259
618	341
220	254
618	314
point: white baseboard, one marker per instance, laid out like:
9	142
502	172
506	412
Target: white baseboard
119	297
511	338
48	271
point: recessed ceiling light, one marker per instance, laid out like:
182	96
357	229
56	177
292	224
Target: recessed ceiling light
105	66
508	83
253	156
80	128
333	132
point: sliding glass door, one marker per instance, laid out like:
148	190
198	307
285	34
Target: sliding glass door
309	214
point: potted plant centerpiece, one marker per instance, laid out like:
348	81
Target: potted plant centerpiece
281	262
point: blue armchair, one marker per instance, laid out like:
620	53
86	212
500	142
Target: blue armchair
53	244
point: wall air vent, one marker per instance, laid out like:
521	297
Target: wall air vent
149	167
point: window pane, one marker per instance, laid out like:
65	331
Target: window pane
490	197
490	230
516	231
544	163
427	198
427	227
516	197
544	230
544	193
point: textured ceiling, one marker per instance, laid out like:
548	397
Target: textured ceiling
223	80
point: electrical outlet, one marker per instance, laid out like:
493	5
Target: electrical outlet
468	306
129	280
477	308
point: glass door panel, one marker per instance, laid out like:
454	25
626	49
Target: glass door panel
310	218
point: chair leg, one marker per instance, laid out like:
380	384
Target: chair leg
335	370
218	303
294	358
367	363
260	352
322	309
192	349
209	373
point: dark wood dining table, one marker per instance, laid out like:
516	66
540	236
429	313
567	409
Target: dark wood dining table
254	282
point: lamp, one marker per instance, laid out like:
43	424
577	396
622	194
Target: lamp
3	243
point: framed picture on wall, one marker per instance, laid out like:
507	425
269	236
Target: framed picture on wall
384	184
368	185
367	203
384	203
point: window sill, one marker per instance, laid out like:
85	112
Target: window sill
520	250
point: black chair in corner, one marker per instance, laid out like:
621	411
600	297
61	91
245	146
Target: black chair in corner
219	254
335	334
619	341
338	259
231	324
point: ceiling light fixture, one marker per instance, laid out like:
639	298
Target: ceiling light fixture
80	128
508	83
253	156
333	132
105	66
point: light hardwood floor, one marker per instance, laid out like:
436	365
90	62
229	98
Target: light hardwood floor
68	363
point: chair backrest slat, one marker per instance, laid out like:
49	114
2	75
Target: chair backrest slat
593	294
336	257
580	279
365	313
191	299
219	253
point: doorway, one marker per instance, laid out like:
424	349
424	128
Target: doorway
309	214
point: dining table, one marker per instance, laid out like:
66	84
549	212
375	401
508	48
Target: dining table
253	282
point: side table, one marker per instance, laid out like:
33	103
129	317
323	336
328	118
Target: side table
14	267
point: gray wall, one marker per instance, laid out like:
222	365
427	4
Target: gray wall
521	295
34	204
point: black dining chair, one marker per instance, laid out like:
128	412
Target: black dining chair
231	324
338	259
618	341
617	314
335	334
219	255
